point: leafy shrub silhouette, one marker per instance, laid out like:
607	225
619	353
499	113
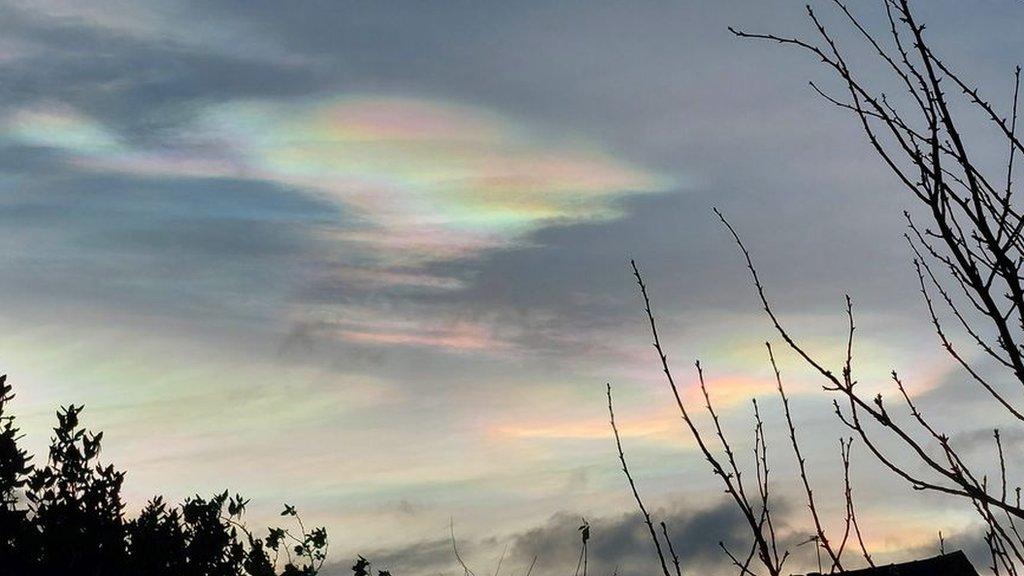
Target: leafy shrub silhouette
66	518
14	469
362	568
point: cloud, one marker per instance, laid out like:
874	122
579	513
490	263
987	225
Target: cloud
623	543
414	182
60	126
435	207
618	543
662	425
429	180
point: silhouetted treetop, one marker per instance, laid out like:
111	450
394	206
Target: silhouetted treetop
66	517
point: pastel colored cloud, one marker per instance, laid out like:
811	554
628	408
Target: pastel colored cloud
663	425
423	180
370	278
488	409
433	179
415	327
56	125
416	182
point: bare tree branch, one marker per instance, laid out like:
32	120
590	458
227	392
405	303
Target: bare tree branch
632	486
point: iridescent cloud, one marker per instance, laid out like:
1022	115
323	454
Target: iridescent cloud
424	180
662	425
384	349
416	182
57	125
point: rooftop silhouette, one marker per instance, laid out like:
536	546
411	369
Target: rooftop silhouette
952	564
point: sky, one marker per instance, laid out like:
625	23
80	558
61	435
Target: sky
372	259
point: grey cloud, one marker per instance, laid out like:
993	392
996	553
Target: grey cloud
623	542
617	542
570	288
141	87
1012	439
181	247
973	402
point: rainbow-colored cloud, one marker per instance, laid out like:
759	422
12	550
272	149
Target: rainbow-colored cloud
424	180
415	181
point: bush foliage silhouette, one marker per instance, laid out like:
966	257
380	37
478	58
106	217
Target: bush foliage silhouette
66	517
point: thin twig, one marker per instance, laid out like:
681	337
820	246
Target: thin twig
632	485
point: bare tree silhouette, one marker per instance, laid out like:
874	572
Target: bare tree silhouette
967	255
968	258
754	502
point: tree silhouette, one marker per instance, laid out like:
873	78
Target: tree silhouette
66	518
969	261
76	504
14	470
967	248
